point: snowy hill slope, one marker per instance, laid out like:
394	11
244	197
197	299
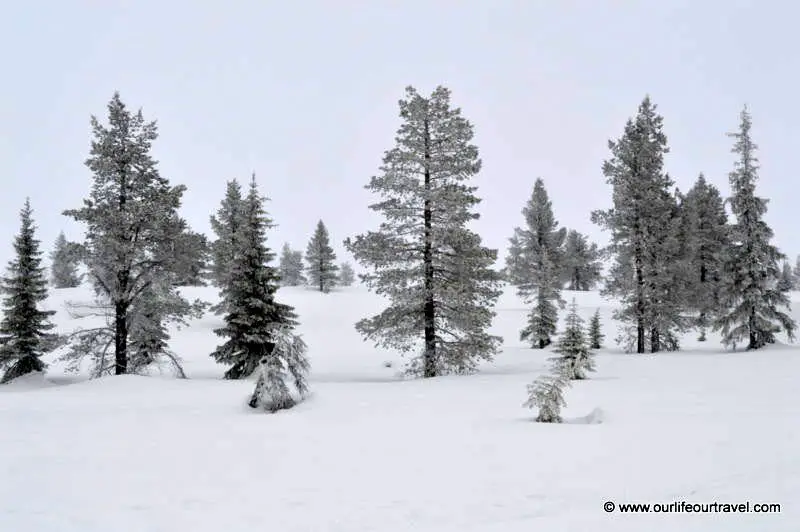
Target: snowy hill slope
372	452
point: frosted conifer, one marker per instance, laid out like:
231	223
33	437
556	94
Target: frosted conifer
423	257
24	329
322	270
252	313
576	358
225	224
131	222
284	361
347	275
535	267
291	267
547	394
705	237
751	299
581	265
64	262
786	280
647	274
595	332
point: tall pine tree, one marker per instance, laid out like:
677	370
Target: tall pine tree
252	313
130	217
751	298
24	329
706	240
423	257
644	222
322	270
534	266
64	262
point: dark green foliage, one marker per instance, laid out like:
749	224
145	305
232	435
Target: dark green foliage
322	269
596	335
252	313
24	329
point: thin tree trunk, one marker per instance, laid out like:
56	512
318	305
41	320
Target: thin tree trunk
429	310
640	307
121	338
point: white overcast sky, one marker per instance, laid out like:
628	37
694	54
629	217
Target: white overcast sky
305	94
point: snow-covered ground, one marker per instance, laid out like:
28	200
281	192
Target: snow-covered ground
371	452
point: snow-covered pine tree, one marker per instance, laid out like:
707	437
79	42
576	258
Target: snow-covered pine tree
347	276
786	280
595	331
130	218
535	266
423	257
576	357
796	273
581	262
547	394
225	223
644	222
285	360
193	251
751	300
24	329
253	315
706	241
322	270
291	267
64	262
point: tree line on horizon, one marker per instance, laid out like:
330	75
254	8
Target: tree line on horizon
678	261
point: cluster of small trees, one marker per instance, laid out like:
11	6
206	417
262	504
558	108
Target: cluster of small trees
320	270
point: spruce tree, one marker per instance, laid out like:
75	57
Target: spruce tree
24	329
786	280
225	224
796	274
193	251
547	394
64	262
253	315
751	300
576	358
706	242
347	276
285	360
647	274
534	266
423	257
291	267
322	270
131	220
581	263
595	331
